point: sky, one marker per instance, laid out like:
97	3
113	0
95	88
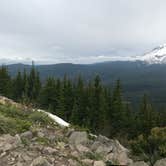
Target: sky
79	31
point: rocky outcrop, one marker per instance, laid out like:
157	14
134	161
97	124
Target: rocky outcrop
112	150
49	149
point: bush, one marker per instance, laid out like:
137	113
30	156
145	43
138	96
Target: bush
93	156
40	118
14	120
152	147
13	126
13	112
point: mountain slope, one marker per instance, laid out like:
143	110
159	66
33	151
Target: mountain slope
30	139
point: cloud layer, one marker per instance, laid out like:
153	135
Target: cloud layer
79	31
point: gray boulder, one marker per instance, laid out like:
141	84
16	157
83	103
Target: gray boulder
78	137
8	142
27	135
82	149
40	161
99	163
99	147
87	161
161	162
49	150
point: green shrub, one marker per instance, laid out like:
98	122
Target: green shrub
13	112
39	117
93	156
153	147
13	126
43	140
14	120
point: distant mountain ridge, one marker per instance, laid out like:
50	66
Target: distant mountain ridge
146	74
136	76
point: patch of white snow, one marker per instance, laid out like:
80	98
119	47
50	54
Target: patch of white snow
58	120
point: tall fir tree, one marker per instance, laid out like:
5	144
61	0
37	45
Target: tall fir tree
5	82
79	113
146	116
33	84
18	87
117	113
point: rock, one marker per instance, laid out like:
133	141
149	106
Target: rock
161	162
101	148
40	134
40	161
112	150
102	139
82	149
121	158
27	135
139	163
99	163
72	162
119	154
69	131
75	154
49	150
78	137
88	162
19	164
61	145
25	157
8	142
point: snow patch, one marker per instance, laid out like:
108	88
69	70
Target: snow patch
55	118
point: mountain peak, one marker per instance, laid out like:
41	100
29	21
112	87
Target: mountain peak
156	56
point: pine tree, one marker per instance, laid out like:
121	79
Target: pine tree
146	116
5	82
33	85
25	87
97	110
65	101
18	87
47	96
79	113
117	113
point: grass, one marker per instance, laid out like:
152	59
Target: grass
14	120
93	156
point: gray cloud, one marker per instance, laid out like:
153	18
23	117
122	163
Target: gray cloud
79	31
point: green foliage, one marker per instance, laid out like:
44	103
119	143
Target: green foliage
93	156
43	140
40	118
5	82
151	147
14	120
13	126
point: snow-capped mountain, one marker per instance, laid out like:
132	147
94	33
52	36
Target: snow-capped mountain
156	56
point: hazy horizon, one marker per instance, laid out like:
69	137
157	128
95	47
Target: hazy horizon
81	32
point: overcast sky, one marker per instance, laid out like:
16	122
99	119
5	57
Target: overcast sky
79	31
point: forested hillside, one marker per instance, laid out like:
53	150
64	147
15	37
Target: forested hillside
137	78
90	105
